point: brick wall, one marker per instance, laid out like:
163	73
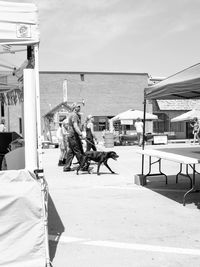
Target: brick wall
104	94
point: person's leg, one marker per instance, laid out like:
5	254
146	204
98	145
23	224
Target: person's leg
198	138
61	157
195	137
140	139
78	149
70	154
93	145
88	145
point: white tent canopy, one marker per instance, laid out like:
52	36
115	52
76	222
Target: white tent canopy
187	116
18	23
23	213
184	84
133	114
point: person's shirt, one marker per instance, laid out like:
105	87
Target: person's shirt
90	130
2	127
74	124
139	126
59	134
196	127
65	126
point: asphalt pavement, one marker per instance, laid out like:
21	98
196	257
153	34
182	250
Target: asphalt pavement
109	221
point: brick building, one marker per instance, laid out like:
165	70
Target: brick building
101	94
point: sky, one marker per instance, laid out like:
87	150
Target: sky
157	37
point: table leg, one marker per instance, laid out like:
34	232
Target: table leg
192	190
155	174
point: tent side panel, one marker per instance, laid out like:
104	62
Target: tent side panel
21	220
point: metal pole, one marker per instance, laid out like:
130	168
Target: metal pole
143	142
36	46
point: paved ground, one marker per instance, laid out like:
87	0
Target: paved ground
107	220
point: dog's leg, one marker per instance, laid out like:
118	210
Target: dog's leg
98	167
106	164
81	165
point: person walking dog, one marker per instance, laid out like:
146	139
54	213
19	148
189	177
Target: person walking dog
75	147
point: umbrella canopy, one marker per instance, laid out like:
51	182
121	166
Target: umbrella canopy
187	116
133	114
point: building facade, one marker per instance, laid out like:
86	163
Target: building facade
103	95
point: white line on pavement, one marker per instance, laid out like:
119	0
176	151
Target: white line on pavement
129	246
65	239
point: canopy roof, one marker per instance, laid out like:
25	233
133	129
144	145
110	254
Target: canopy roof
187	116
133	114
18	23
184	84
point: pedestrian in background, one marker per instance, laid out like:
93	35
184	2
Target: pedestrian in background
196	128
139	130
59	135
90	135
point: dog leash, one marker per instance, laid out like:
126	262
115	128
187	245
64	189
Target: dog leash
93	143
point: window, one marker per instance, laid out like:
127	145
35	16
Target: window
101	123
2	110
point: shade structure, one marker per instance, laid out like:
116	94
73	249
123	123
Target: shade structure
133	114
187	116
182	85
18	23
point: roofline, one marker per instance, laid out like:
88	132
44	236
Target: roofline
93	72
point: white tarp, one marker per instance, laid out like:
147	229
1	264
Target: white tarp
190	115
22	229
18	23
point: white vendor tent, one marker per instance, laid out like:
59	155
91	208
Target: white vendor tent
23	192
190	115
182	85
21	220
127	117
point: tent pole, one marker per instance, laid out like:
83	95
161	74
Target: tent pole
36	46
143	137
39	172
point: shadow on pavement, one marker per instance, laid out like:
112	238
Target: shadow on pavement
173	190
55	227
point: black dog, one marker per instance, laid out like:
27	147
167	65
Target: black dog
99	157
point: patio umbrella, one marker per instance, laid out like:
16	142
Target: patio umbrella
187	116
133	114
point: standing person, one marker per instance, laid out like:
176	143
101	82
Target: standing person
65	128
59	135
196	129
75	147
2	126
139	130
90	135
